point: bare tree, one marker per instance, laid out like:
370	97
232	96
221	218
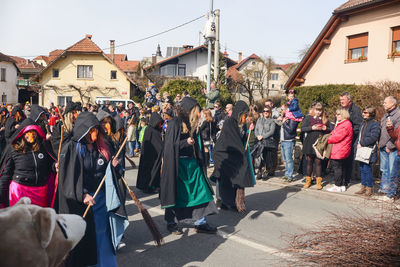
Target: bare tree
85	93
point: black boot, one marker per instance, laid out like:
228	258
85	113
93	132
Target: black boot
207	159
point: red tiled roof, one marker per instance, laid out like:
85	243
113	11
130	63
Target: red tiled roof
7	58
233	73
286	66
85	45
118	57
252	56
128	65
354	4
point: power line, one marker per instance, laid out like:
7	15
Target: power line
157	34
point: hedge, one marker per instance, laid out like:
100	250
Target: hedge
362	96
194	87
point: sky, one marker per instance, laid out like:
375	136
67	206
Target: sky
280	29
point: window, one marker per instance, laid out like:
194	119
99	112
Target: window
274	76
358	47
168	70
257	74
181	69
396	41
273	86
113	75
3	75
64	100
4	98
85	71
281	86
253	63
55	73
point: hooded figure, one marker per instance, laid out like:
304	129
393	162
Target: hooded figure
185	191
233	169
83	164
70	113
12	122
151	148
38	116
28	168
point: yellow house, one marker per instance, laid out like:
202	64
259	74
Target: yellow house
82	72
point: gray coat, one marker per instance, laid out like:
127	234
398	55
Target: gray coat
265	127
385	140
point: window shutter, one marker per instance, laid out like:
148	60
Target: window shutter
357	41
396	34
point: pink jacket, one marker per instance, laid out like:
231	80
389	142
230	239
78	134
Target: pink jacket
341	138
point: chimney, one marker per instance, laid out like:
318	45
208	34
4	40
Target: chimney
89	36
112	49
240	57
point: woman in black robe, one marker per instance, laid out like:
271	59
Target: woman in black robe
151	148
185	191
3	118
233	169
83	162
13	122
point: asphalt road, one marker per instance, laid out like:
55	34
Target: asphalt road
258	237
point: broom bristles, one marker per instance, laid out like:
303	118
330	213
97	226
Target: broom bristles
157	237
240	200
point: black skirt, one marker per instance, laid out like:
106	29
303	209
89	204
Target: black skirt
308	142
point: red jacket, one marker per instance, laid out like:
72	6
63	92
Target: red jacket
394	134
341	138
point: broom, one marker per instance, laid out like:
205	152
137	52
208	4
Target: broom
239	200
58	160
104	178
157	237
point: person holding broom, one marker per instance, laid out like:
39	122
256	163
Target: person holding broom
82	166
233	168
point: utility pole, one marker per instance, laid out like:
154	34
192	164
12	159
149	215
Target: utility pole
216	48
209	51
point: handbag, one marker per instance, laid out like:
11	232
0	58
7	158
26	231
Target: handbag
364	154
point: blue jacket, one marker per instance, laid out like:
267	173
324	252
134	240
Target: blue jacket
289	128
370	137
295	109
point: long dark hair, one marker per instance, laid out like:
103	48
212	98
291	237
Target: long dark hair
22	146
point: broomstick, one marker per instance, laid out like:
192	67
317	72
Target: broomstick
58	160
104	178
157	237
247	143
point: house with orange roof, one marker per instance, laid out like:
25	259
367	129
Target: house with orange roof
190	63
360	44
83	72
254	78
25	84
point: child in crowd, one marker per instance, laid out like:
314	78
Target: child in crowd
291	107
143	125
131	138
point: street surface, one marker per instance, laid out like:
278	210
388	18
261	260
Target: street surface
257	237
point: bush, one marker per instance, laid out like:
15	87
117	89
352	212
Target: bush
194	87
362	96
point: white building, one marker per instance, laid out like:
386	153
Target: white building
8	80
191	63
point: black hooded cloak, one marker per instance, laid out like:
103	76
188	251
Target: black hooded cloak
175	146
71	193
151	148
11	122
231	165
56	134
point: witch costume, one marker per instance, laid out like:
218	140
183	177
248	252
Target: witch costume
81	171
29	173
17	116
233	169
151	148
185	191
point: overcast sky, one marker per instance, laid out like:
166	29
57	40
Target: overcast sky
280	29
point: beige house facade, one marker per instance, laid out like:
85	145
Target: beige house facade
83	73
8	80
264	79
360	44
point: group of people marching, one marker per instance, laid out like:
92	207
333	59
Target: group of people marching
63	166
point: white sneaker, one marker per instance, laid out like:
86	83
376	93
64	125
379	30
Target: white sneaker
386	199
335	189
343	188
121	245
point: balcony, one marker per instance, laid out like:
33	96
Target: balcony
25	83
